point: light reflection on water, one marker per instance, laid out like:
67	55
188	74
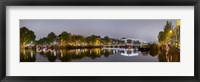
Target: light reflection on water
96	55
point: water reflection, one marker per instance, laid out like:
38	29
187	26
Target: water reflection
125	52
172	56
27	56
145	53
97	55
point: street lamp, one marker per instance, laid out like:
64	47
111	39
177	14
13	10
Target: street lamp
170	31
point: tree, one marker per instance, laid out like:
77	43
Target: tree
163	36
43	41
167	29
26	36
51	37
87	40
80	39
65	37
106	40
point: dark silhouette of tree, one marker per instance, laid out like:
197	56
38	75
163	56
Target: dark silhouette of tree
65	38
51	37
106	40
163	36
26	36
69	40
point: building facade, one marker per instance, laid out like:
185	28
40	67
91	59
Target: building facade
175	40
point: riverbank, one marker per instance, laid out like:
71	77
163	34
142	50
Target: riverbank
59	47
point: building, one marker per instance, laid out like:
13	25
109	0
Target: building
175	40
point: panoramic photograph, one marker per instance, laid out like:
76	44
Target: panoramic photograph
99	40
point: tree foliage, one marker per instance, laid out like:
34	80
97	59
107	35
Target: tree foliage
164	35
26	36
51	37
65	36
65	39
43	41
161	37
106	40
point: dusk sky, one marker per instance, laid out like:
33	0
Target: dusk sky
145	30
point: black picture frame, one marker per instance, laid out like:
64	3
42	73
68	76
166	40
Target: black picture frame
4	3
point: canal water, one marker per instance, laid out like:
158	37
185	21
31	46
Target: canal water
98	55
